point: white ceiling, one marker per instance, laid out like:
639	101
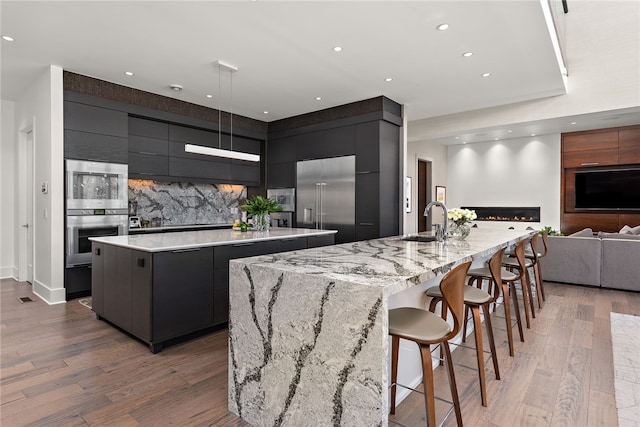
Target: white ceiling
284	54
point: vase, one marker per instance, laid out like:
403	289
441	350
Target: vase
459	231
261	222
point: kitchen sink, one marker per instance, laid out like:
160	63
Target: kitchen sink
419	238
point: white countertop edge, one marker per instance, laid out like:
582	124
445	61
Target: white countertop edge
165	242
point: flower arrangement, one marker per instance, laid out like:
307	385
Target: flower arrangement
461	216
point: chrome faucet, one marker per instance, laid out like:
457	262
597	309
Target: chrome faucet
441	229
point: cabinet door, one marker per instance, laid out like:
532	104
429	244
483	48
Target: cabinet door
97	278
202	169
629	149
281	175
182	292
202	137
141	279
281	150
246	173
368	147
93	146
146	145
367	205
590	149
117	286
148	164
326	143
87	118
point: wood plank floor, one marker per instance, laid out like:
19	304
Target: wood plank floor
59	366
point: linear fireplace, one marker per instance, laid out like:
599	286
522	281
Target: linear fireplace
503	213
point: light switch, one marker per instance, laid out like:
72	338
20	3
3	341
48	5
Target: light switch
45	187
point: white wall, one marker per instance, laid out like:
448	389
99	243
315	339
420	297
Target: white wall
41	109
8	265
437	155
517	172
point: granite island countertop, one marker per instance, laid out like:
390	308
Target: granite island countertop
161	242
308	329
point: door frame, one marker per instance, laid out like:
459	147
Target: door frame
424	187
26	203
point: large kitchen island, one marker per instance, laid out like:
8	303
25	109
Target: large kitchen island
308	329
165	286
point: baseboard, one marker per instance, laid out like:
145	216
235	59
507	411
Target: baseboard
48	295
8	273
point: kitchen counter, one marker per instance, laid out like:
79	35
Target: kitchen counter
308	330
161	242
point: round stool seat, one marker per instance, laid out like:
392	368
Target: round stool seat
513	262
472	295
417	325
485	272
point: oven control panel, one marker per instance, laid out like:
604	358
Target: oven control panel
94	212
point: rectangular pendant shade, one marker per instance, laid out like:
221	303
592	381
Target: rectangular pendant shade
228	154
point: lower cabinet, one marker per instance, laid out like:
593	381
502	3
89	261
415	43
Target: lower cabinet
165	295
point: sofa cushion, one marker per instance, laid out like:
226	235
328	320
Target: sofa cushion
620	266
572	260
625	230
587	232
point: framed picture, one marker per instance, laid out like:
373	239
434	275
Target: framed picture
407	194
441	194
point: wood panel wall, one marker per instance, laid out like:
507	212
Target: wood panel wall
587	149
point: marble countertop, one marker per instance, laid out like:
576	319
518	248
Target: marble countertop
390	263
161	242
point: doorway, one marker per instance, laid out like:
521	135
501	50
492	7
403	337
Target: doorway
424	194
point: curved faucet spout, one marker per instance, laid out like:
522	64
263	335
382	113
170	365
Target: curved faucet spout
441	233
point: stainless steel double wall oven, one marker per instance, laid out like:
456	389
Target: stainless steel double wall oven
96	206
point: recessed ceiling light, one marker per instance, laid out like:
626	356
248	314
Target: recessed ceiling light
318	98
467	54
175	87
464	142
209	96
485	74
442	27
265	112
388	79
455	137
573	123
337	49
533	134
8	38
128	73
509	131
495	139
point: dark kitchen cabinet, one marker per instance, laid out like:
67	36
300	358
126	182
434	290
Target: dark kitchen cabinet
182	292
141	295
333	142
117	286
148	148
202	169
367	205
94	133
97	278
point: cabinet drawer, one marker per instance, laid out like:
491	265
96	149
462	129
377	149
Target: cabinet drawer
202	169
317	241
93	146
146	145
148	164
148	128
577	159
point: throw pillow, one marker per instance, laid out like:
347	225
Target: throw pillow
625	230
635	230
587	232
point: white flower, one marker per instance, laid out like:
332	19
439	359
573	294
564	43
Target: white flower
461	216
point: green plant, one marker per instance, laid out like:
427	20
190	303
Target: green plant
550	231
258	205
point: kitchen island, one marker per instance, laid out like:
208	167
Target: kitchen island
159	287
308	331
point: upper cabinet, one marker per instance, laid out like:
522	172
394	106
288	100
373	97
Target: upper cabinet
148	148
95	133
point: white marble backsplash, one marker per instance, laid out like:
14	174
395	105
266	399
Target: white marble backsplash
180	203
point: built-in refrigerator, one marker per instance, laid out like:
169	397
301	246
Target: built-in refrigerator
326	195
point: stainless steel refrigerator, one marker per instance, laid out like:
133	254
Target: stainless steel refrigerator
326	195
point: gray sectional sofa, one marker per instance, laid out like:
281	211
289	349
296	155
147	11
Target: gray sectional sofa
609	260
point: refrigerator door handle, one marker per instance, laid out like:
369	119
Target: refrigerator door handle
322	212
318	206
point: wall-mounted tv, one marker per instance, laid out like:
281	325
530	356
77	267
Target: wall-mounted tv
608	189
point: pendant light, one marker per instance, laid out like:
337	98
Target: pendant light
220	152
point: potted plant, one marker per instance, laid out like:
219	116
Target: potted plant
259	208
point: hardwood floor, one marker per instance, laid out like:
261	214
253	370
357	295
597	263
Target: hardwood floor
62	367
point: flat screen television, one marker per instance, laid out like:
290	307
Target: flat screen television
608	189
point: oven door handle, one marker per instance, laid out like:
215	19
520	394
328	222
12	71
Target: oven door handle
69	240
